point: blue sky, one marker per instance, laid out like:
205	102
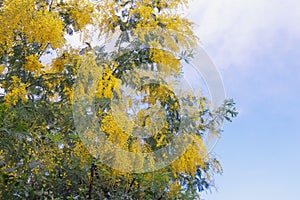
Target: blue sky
256	46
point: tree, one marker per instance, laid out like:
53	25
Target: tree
42	155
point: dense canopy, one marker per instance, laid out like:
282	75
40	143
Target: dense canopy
42	156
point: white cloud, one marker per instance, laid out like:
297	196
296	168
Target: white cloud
236	31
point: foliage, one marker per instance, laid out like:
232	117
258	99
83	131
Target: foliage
41	155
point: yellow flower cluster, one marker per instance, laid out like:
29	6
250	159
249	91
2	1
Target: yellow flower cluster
2	68
26	20
194	156
82	12
115	133
48	29
58	65
166	60
159	93
107	85
145	14
176	3
32	64
148	16
107	20
69	93
81	152
16	91
181	28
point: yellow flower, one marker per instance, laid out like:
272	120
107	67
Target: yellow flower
16	91
36	24
58	65
81	12
32	64
2	67
166	60
195	155
107	85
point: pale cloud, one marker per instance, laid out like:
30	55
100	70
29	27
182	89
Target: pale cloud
236	31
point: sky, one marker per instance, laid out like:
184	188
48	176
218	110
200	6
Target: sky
255	46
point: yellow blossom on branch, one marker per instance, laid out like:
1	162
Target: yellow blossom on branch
32	64
16	91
